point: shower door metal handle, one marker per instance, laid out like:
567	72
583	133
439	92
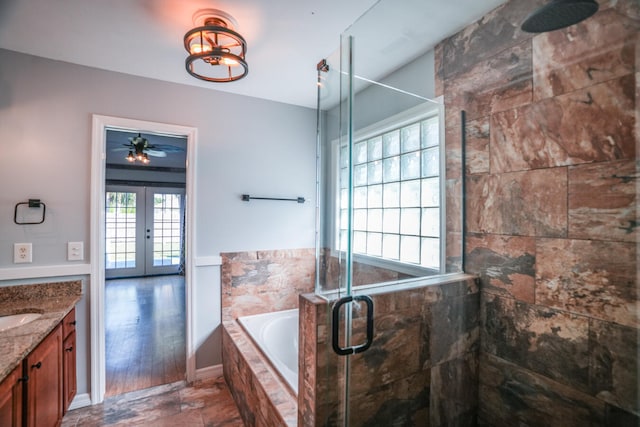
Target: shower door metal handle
343	351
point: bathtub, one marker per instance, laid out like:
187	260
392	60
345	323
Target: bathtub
276	334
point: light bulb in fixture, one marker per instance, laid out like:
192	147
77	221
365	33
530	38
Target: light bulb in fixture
130	157
200	48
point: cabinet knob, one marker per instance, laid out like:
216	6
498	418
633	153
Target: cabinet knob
38	365
73	323
70	349
24	379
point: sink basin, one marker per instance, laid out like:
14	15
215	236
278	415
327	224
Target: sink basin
14	320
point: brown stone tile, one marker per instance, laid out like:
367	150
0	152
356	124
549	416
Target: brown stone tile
402	402
602	201
265	281
205	403
593	278
454	252
614	364
453	392
459	317
599	49
477	149
505	264
531	203
550	342
453	145
587	125
501	82
439	72
492	34
514	396
453	199
393	355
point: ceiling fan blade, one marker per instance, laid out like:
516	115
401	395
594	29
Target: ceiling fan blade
169	148
156	153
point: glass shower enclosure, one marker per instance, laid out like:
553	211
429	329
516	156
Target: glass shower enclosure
388	217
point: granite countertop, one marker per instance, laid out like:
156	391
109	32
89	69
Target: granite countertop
53	300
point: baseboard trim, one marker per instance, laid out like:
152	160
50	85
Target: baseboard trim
80	401
209	372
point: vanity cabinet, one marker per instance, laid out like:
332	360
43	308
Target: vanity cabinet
69	385
40	389
44	397
11	389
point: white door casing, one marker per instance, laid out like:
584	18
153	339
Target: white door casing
100	124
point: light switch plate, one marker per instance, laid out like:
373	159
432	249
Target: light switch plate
75	251
22	253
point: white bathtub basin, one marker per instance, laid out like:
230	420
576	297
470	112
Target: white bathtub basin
276	334
15	320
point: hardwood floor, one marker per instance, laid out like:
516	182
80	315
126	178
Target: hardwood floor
145	333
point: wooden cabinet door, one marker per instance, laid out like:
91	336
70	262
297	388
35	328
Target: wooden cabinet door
11	399
69	369
44	390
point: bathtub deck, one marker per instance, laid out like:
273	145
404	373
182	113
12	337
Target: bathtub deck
261	395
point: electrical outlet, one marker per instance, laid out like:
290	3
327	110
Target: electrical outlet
22	253
75	251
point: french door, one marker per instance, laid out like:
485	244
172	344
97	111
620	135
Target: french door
144	231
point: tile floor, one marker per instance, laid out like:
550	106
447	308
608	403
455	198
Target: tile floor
205	404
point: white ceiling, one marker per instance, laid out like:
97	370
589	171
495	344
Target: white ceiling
285	38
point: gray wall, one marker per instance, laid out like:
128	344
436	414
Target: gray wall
245	145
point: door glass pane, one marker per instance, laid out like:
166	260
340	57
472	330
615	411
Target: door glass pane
167	226
120	222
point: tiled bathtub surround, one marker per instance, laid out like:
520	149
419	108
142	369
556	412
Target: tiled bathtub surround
253	283
551	211
264	281
420	370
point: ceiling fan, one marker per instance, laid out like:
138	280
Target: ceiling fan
140	149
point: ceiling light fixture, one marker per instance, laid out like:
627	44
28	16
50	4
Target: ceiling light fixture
216	50
139	145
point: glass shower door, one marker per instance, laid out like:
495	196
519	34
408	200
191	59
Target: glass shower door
380	220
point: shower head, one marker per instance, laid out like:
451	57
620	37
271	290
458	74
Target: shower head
559	14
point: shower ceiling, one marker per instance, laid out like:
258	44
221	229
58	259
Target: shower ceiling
285	38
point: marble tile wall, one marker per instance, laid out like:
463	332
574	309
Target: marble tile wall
420	370
363	274
551	230
257	282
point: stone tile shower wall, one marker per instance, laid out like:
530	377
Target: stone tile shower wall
421	369
551	202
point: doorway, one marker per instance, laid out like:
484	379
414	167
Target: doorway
175	255
144	293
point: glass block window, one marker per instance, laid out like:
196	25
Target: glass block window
396	194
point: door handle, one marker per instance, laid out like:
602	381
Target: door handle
343	351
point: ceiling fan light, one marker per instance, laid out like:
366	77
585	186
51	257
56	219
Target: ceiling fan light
130	157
